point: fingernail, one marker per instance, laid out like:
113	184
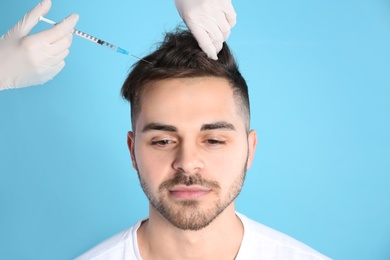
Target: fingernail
213	56
43	2
75	17
210	51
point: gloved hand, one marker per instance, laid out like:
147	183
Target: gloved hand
27	60
209	21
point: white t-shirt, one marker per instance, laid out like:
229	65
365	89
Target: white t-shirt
259	242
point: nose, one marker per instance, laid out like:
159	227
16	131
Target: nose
188	159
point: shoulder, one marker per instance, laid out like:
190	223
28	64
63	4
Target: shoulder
116	246
267	243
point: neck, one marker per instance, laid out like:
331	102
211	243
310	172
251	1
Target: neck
221	239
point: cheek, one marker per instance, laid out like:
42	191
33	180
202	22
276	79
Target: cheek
154	167
230	163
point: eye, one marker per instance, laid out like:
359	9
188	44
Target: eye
215	142
162	142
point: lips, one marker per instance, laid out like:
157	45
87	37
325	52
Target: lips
189	192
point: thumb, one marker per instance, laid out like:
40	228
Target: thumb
24	26
231	15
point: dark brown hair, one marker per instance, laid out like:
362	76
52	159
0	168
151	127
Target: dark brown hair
179	56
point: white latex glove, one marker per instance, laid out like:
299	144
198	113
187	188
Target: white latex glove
27	60
209	21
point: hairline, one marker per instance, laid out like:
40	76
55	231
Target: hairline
239	101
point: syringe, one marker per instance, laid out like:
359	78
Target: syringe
95	40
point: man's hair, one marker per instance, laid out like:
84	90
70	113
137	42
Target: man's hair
179	56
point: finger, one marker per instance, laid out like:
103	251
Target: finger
232	19
230	14
218	45
214	29
61	45
53	61
56	69
60	30
45	54
225	34
221	33
58	47
204	41
217	25
24	26
49	73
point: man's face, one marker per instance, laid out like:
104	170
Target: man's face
191	149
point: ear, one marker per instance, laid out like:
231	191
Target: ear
252	142
130	145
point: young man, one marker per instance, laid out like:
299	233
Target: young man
191	145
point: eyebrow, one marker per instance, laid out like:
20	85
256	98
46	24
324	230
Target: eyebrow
159	127
218	125
205	127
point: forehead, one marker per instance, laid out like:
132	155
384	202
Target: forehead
188	101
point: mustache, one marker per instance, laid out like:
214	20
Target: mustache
188	180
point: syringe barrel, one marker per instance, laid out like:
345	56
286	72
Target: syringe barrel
95	40
85	36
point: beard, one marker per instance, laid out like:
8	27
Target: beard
189	214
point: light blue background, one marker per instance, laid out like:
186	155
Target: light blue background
319	78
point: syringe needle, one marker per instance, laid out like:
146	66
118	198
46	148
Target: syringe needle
96	40
123	51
